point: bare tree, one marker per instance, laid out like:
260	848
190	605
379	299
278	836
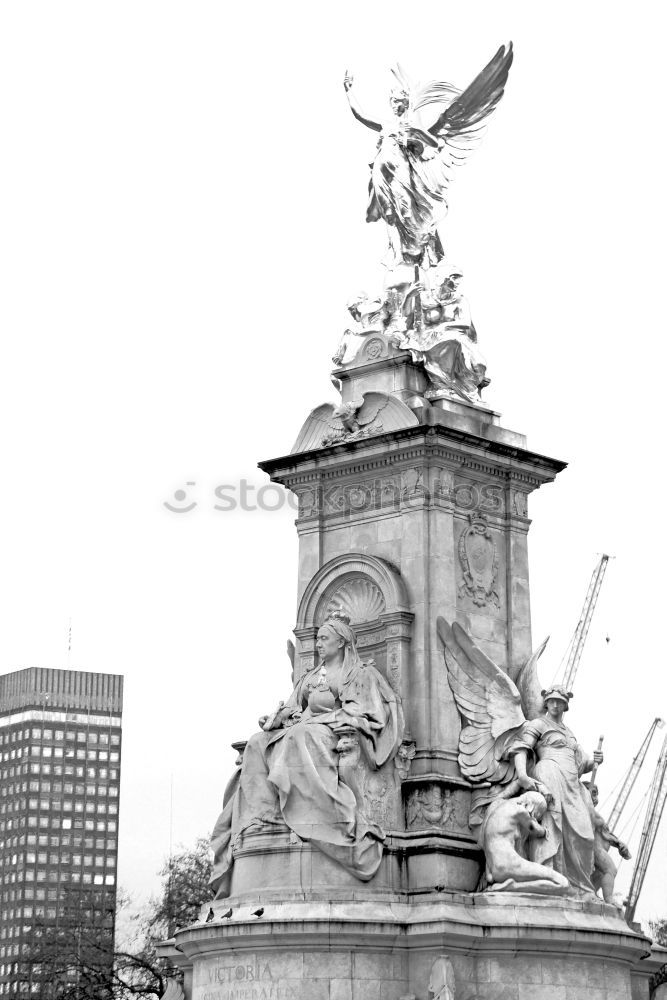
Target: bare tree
78	958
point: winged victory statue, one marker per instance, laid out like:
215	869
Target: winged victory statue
412	167
432	129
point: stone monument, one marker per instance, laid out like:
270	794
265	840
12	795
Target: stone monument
411	821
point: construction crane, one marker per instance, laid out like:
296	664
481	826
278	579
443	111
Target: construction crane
654	811
576	647
631	776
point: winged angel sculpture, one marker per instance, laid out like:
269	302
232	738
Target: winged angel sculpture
529	807
413	164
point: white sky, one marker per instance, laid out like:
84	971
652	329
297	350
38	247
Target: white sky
182	196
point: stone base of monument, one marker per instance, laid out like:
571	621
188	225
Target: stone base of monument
358	946
283	865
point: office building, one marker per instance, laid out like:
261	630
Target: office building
60	753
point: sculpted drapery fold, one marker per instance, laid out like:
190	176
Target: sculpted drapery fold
557	761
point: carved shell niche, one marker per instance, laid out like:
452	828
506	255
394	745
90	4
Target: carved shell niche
359	598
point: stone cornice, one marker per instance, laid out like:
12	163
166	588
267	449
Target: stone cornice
450	446
459	923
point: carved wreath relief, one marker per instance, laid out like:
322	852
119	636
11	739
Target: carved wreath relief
478	556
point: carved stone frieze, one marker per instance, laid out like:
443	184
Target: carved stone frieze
478	555
364	495
402	489
485	497
434	805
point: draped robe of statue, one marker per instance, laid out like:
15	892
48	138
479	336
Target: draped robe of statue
558	762
408	184
289	775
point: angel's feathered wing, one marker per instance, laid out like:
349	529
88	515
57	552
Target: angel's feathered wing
461	124
529	685
489	703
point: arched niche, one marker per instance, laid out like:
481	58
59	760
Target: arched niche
372	591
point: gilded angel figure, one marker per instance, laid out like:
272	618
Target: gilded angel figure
513	741
411	171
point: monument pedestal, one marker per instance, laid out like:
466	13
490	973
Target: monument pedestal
366	946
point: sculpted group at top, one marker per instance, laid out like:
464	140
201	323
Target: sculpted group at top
431	128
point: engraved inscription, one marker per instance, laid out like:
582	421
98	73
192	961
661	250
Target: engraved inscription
241	980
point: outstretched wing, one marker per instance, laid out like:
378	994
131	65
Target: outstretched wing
373	404
529	685
435	92
322	424
489	702
462	123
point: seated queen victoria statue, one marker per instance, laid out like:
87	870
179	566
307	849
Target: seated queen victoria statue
291	774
